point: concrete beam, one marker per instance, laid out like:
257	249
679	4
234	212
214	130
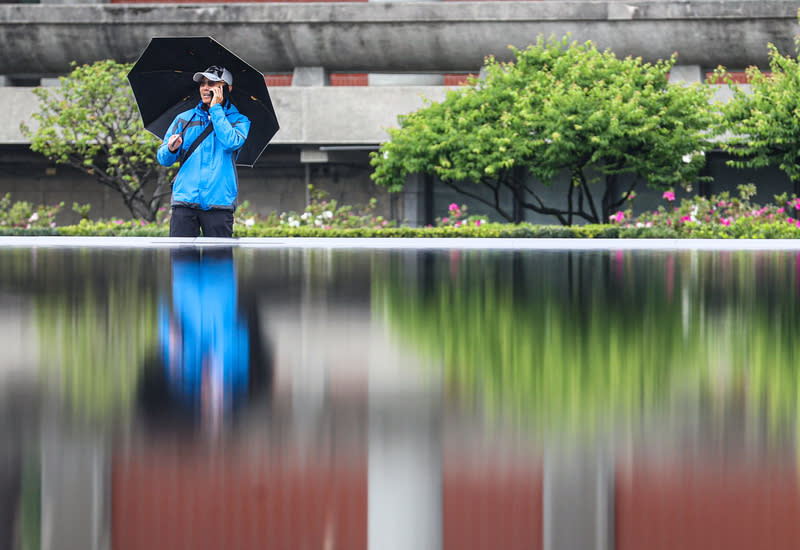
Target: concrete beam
308	115
396	36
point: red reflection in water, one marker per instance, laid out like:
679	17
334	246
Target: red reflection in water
190	498
704	508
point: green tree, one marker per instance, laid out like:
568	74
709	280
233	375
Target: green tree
762	125
559	108
91	122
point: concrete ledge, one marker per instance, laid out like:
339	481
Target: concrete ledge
405	244
396	37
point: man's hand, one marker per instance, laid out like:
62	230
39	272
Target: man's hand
174	143
217	96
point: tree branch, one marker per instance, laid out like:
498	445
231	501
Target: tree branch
585	187
625	195
496	204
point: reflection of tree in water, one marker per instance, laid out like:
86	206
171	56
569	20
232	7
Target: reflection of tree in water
576	340
95	314
98	344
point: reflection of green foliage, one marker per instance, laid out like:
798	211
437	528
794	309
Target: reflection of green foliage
30	506
98	343
95	313
574	341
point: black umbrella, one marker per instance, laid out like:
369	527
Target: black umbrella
162	83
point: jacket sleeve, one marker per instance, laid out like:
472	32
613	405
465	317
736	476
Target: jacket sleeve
165	156
230	134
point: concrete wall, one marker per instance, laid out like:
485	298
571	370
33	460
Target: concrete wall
308	116
395	36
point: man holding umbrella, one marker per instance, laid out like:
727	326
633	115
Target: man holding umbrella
206	141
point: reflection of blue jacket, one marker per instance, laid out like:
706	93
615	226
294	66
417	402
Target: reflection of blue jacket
208	179
205	338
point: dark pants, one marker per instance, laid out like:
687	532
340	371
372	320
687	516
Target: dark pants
187	222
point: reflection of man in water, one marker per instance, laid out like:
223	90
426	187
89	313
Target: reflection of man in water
210	355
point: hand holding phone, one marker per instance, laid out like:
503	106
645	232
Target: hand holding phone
218	95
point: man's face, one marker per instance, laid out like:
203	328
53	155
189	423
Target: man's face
205	89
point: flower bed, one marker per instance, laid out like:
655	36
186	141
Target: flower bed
717	217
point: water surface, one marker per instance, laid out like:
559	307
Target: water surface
287	397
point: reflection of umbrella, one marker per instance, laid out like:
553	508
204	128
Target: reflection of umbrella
162	83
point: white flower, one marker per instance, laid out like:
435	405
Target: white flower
687	158
327	214
305	216
34	217
294	223
250	222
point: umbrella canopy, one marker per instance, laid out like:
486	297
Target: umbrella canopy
162	84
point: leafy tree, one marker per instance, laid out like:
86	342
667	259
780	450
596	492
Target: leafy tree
560	107
763	125
91	122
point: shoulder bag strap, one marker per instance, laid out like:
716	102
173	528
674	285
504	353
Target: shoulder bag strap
185	155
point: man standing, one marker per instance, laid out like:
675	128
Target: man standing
206	141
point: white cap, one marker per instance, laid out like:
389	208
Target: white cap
215	73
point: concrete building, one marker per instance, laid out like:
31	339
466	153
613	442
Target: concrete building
340	73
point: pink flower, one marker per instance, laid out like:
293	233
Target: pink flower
618	217
721	204
453	207
328	227
685	219
478	223
384	223
669	195
445	220
458	224
725	221
118	222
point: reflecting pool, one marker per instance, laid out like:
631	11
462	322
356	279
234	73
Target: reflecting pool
207	396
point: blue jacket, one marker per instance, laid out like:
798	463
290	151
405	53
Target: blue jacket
208	178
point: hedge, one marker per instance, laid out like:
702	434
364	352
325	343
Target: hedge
490	230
